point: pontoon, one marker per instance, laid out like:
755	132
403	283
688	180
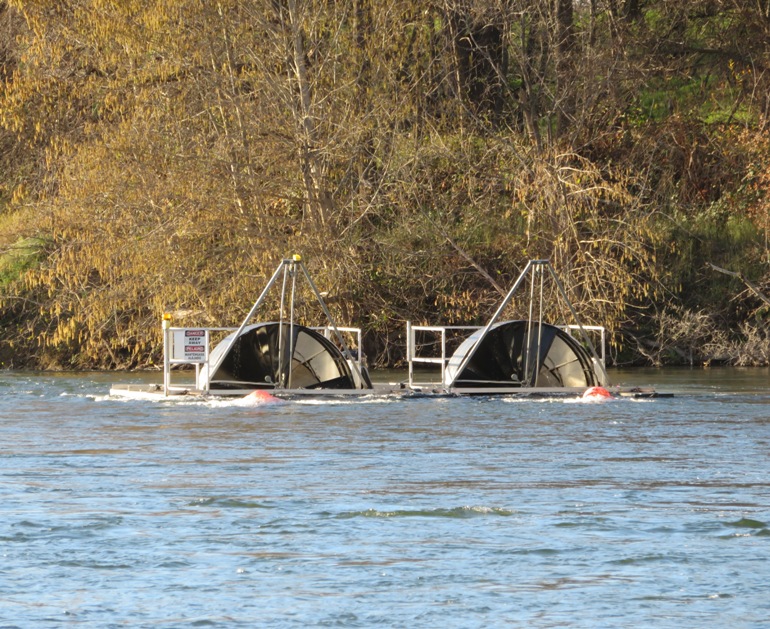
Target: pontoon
504	357
278	356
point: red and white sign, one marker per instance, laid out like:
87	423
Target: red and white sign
189	346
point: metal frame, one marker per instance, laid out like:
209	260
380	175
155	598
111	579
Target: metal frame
411	349
413	357
289	269
538	270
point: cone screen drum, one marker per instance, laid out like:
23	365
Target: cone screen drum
522	354
259	358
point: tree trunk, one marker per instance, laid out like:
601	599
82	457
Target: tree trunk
565	92
318	202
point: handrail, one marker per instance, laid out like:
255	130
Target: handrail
413	357
171	353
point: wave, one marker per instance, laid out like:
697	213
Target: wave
455	512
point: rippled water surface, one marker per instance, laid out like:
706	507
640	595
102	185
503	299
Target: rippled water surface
443	513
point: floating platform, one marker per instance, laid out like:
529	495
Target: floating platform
284	359
394	390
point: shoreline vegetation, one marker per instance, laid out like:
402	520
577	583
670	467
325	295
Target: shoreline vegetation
164	156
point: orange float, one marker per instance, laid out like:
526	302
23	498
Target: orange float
596	393
261	397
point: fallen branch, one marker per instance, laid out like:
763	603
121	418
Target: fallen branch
752	287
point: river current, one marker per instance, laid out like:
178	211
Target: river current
449	513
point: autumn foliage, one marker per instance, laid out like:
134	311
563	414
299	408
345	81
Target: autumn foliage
165	155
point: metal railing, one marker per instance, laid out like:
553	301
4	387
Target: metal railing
192	346
413	357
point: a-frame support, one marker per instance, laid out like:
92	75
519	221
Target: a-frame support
538	269
289	269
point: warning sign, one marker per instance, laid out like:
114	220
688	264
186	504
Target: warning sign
189	346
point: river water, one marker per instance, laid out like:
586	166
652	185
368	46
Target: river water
449	513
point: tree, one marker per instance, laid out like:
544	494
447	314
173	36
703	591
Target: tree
165	155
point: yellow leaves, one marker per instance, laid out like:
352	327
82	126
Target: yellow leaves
456	307
112	102
172	183
19	194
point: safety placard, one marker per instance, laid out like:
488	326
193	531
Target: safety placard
189	346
